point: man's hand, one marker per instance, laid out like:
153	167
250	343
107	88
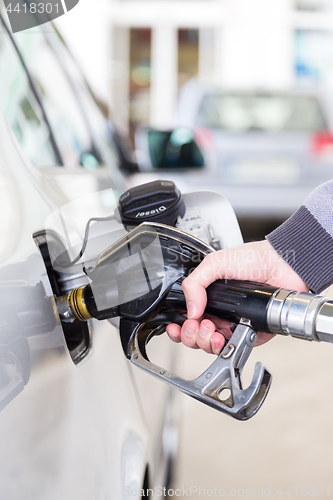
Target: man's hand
256	261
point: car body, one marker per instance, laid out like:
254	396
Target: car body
69	429
264	150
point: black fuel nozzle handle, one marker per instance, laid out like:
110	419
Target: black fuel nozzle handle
301	315
270	309
231	300
226	299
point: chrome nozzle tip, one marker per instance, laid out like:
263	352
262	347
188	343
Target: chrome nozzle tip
324	323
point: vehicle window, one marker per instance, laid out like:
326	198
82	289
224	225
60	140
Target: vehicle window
58	99
21	108
99	127
242	113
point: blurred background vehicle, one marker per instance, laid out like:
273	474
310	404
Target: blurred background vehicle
265	151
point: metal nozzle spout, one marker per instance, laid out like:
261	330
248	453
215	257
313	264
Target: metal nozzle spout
301	315
324	322
64	309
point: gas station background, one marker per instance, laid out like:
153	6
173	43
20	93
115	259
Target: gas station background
148	49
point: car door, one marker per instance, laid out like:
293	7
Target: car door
66	432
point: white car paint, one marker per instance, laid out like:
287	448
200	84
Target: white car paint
66	432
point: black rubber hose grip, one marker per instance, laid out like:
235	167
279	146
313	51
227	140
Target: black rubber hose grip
231	300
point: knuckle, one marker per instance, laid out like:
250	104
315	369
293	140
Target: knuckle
189	343
185	285
188	283
208	349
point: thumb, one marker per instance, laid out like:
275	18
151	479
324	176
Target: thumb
213	267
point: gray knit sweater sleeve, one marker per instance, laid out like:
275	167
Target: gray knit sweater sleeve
305	240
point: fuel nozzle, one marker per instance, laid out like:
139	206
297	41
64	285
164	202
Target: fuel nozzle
139	279
132	278
142	274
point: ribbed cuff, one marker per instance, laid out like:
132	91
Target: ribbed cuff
305	245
